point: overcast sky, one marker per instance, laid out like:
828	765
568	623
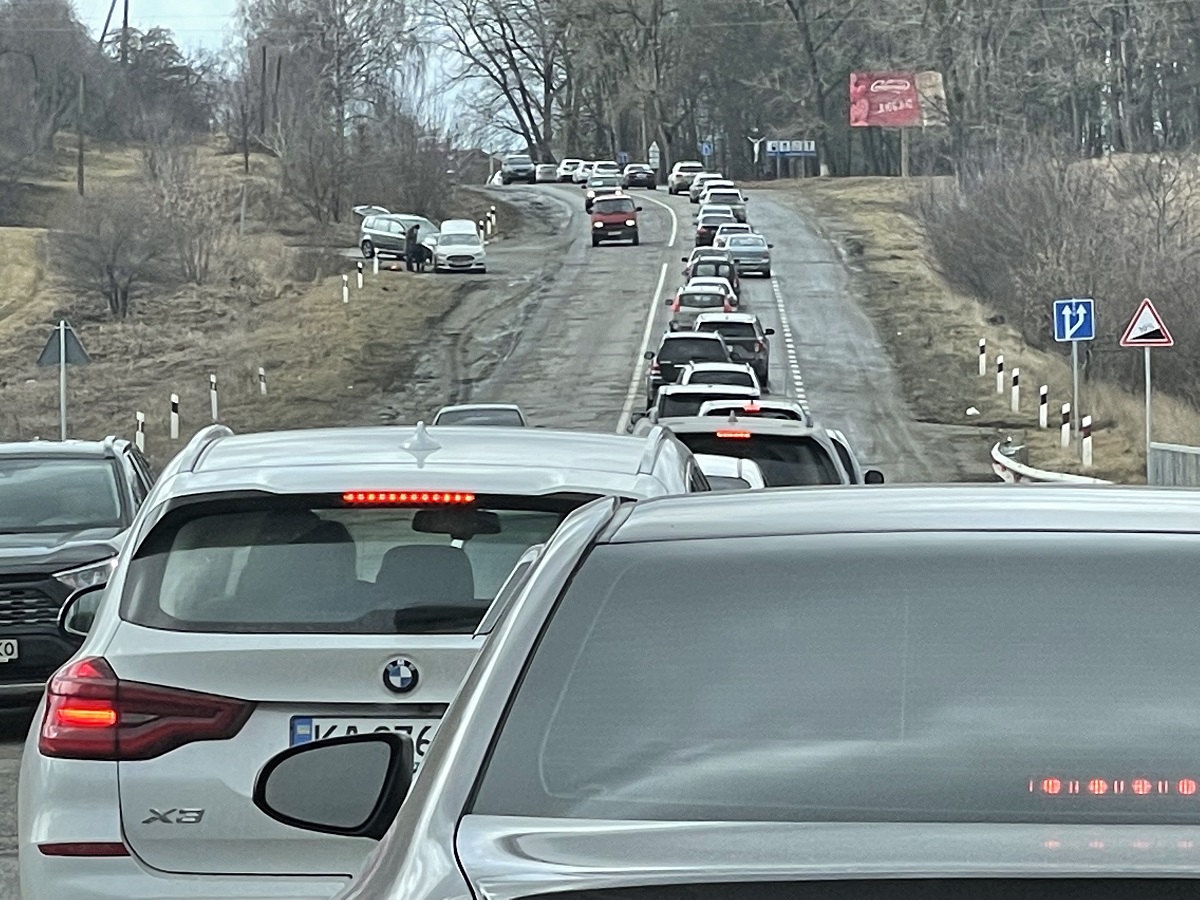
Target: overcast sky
196	23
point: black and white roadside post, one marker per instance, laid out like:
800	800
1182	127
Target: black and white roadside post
1086	443
1146	330
174	417
1074	320
982	357
345	288
360	276
139	436
1044	406
1000	374
1065	432
262	381
212	396
63	348
374	263
1016	389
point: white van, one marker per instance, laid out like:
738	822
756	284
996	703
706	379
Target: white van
459	247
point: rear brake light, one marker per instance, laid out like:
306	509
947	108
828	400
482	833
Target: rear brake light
758	347
752	408
406	498
740	435
728	306
654	367
92	714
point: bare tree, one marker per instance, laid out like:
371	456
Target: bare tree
114	248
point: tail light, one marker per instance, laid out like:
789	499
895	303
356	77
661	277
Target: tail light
654	370
758	347
728	306
92	714
734	435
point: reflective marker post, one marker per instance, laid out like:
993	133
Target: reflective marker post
62	379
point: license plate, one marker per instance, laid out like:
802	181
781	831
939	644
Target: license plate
9	650
307	729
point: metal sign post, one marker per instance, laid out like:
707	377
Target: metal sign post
1146	329
63	348
1074	321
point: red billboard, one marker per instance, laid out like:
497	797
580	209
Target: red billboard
896	99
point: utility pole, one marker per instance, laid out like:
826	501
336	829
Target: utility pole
125	35
79	165
262	103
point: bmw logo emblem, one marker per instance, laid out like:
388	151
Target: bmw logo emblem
400	676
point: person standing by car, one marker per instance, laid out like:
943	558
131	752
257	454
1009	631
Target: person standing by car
412	249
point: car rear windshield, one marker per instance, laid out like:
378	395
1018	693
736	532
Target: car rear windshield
746	240
702	301
711	270
745	379
613	205
727	483
730	329
683	350
506	417
519	159
41	494
278	564
989	677
712	220
729	197
784	459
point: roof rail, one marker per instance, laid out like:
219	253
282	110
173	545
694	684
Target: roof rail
110	442
654	441
200	442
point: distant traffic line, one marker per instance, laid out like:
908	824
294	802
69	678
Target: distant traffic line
789	343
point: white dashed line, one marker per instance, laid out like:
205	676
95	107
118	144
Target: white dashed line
789	344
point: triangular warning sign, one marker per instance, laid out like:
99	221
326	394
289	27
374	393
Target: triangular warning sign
1146	329
76	355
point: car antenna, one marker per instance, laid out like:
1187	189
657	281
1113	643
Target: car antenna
420	445
733	417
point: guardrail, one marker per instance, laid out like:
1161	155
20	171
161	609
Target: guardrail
1008	468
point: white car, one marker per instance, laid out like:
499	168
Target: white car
583	172
696	188
730	473
684	401
789	410
725	232
281	589
682	174
738	374
567	168
458	247
606	167
715	209
545	173
712	282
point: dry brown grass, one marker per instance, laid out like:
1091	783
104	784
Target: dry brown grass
932	333
326	362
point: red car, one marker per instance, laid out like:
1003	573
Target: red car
614	218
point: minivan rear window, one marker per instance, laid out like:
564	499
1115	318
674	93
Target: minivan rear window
684	350
278	564
937	677
786	460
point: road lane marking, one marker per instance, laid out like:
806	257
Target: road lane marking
635	382
674	220
790	344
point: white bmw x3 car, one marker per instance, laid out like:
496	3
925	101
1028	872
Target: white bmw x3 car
279	589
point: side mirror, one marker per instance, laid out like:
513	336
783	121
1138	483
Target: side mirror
351	786
649	354
872	476
78	614
668	301
770	246
637	209
768	331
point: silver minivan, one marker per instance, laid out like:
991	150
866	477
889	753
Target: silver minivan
384	234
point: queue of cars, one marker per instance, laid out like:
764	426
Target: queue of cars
456	662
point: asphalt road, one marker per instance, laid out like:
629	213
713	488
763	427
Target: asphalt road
560	327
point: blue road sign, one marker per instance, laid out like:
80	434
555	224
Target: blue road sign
706	148
1075	320
623	157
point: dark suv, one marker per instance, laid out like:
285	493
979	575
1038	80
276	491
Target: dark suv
65	508
518	167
